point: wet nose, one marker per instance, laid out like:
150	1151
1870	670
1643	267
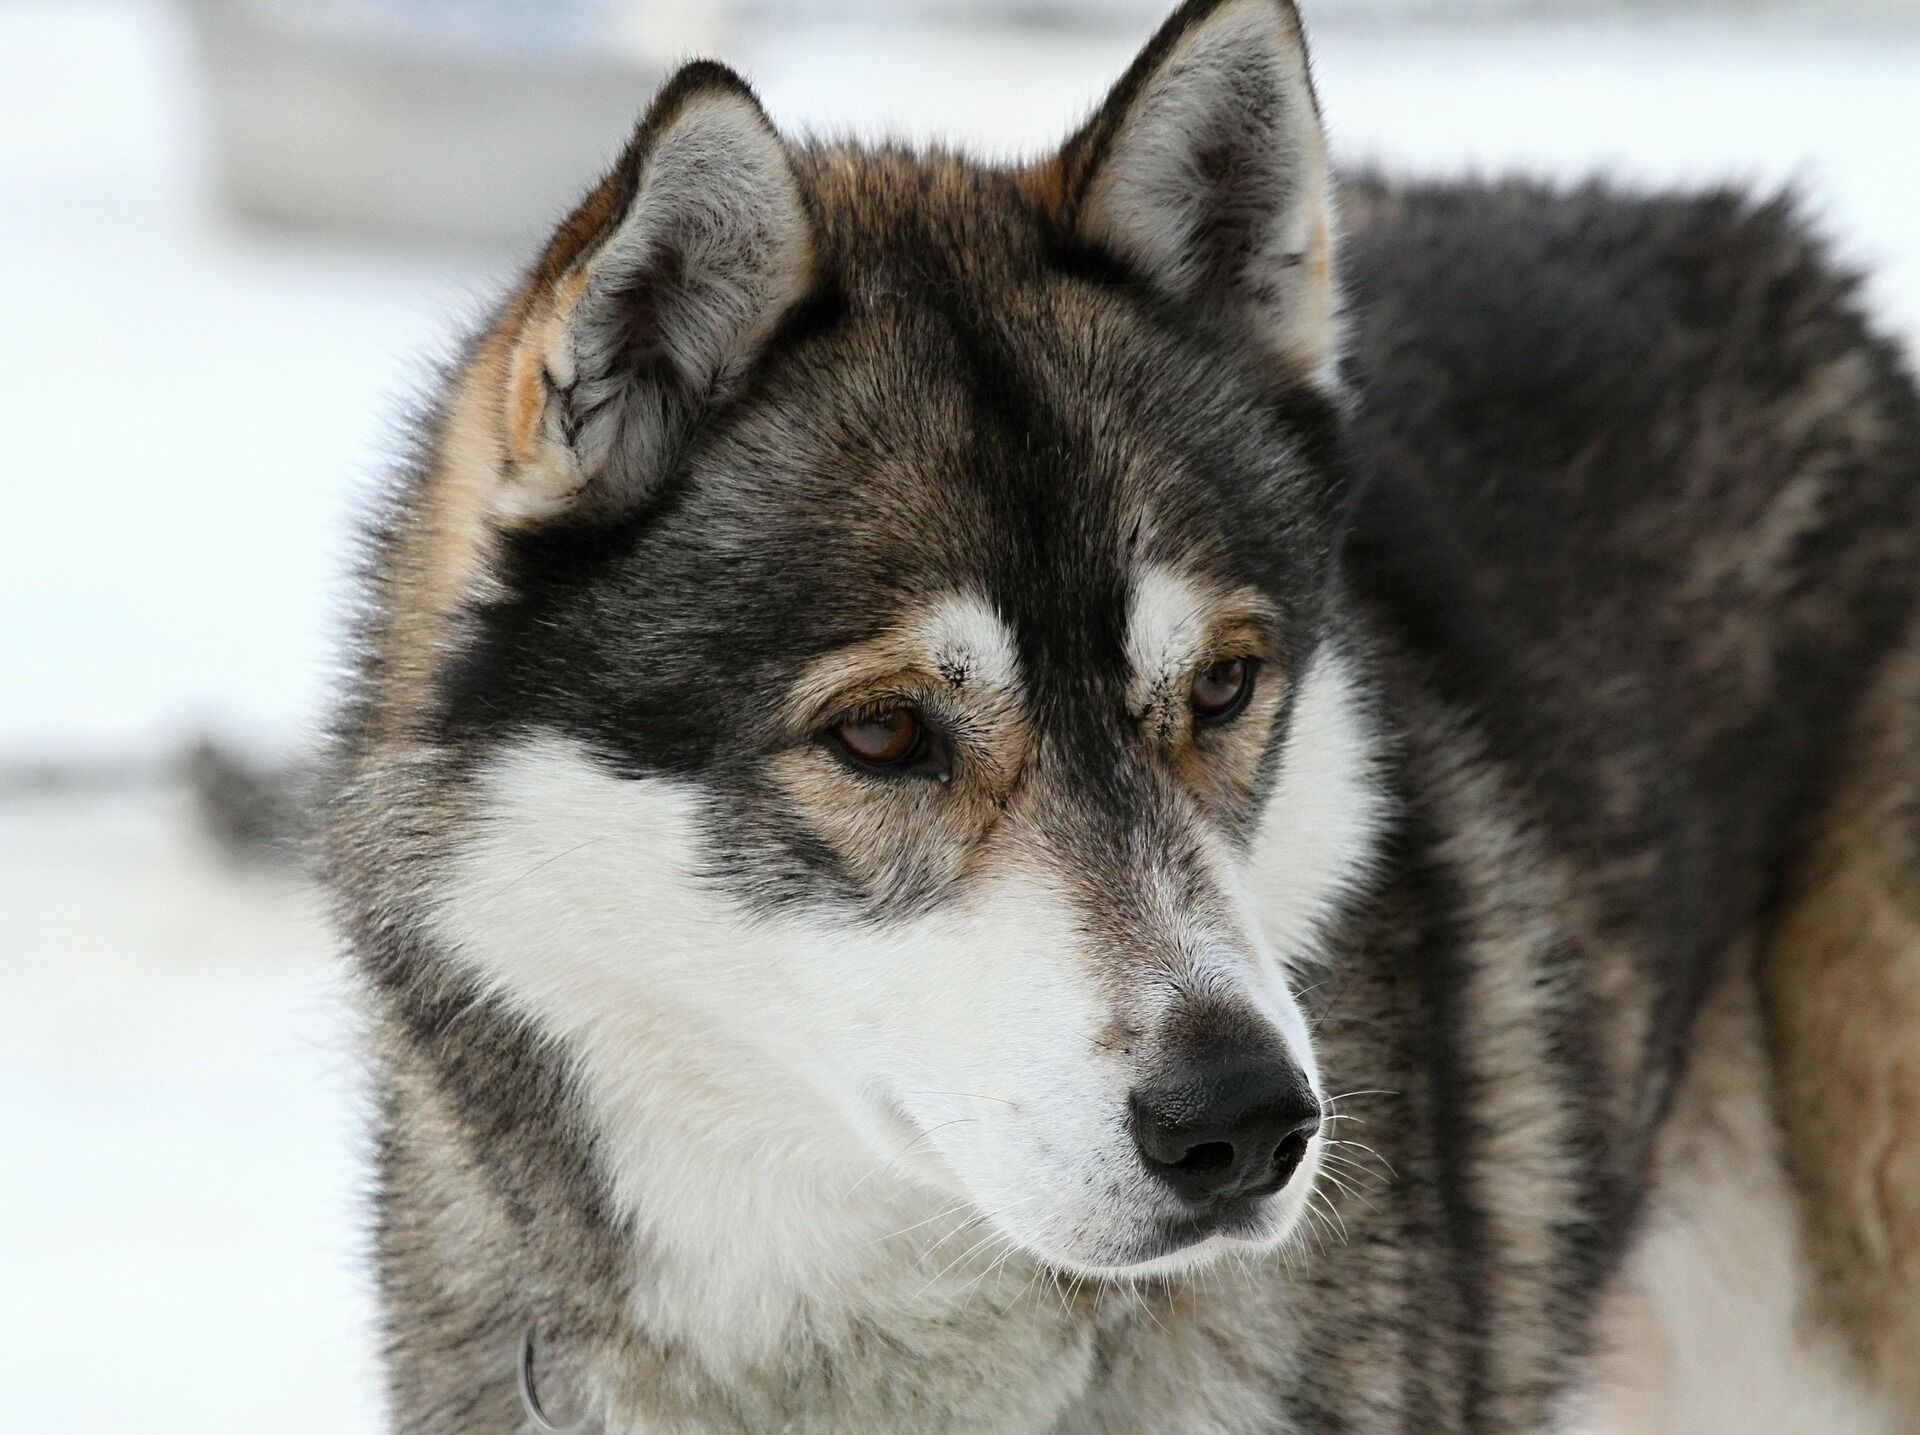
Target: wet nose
1233	1125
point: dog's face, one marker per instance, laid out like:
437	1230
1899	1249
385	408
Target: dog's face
896	664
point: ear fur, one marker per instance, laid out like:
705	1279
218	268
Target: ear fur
1206	172
651	301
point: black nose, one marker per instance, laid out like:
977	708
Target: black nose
1233	1126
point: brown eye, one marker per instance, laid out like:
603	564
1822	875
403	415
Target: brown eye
1221	691
891	738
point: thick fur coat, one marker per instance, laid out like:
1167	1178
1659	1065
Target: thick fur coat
1562	840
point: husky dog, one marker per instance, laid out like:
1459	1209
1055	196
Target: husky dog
1049	799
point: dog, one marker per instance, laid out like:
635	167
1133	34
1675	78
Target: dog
1155	791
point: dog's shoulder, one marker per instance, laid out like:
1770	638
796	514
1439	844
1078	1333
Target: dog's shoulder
1604	345
1650	414
1522	287
1636	486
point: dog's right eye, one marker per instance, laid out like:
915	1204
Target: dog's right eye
895	739
1221	691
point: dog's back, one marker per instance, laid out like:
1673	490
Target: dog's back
1637	477
1642	489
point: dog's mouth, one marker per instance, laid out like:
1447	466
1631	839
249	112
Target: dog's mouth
1193	1233
1161	1248
1244	1218
1169	1245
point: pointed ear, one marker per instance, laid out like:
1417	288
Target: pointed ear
1206	172
651	302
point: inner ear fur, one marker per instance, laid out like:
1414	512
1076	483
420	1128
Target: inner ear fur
648	304
1205	172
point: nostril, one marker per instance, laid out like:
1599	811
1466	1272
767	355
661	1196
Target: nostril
1288	1155
1205	1159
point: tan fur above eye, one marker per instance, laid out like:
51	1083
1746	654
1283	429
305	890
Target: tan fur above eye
1205	659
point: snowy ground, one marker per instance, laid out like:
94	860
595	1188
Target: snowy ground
179	1219
192	410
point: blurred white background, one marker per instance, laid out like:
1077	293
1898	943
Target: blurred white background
232	239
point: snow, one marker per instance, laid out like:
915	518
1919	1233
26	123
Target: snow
180	1219
187	406
194	411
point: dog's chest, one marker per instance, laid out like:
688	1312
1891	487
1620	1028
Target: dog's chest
1013	1370
1054	1361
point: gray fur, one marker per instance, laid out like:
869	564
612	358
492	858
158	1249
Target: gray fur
1624	523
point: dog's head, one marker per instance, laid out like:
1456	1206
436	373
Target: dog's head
884	608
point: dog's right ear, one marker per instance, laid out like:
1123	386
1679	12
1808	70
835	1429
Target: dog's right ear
649	303
1205	172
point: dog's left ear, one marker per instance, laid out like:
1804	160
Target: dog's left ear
1205	171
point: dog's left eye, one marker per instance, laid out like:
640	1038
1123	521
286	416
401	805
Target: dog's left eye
1221	690
892	740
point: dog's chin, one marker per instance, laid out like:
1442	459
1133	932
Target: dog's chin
1169	1246
1162	1242
1172	1263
